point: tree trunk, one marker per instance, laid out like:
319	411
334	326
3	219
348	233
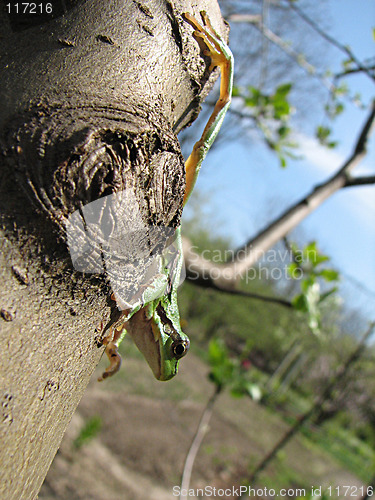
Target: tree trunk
91	103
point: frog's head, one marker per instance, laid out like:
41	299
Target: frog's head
161	341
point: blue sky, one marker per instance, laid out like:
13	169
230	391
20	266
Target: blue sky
245	187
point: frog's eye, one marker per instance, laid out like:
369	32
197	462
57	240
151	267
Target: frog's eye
180	348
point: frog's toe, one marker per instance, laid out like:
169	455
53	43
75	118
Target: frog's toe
209	40
114	361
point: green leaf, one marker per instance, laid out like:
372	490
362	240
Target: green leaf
323	296
217	353
254	97
283	90
322	133
308	283
236	91
329	274
282	160
339	108
297	253
250	102
283	131
222	367
342	89
293	268
299	303
311	254
281	109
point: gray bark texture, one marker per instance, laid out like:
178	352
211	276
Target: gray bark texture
91	104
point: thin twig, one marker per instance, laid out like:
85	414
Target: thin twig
256	21
299	58
354	71
257	296
245	18
251	295
197	441
264	50
330	39
293	54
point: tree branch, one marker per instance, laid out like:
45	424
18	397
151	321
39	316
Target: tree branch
354	71
245	18
193	273
255	248
360	181
225	276
251	295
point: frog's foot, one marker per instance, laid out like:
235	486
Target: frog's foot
210	41
114	361
112	341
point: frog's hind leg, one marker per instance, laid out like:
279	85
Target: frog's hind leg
112	342
214	47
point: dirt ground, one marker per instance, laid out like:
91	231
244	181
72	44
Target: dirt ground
147	428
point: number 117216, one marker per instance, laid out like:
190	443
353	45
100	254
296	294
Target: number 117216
351	491
29	8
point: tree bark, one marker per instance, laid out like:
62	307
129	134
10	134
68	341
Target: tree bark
92	100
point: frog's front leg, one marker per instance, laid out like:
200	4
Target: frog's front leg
221	56
112	341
